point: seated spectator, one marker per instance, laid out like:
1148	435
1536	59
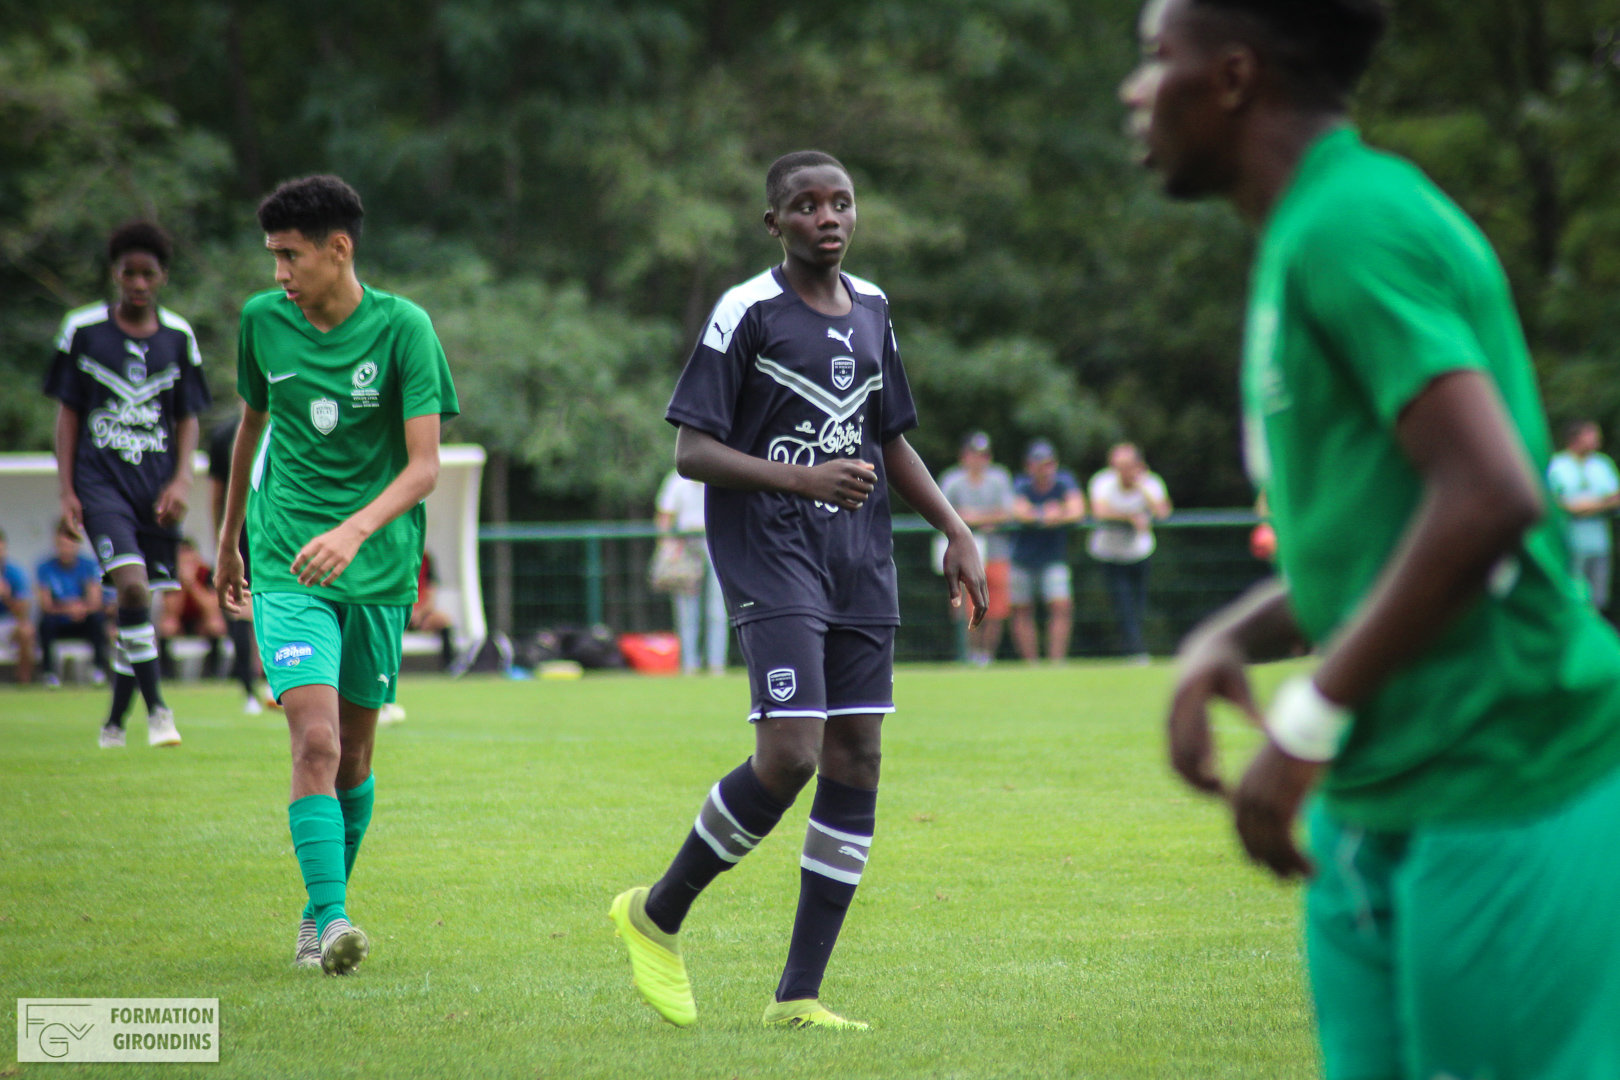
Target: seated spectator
15	626
425	618
192	610
69	597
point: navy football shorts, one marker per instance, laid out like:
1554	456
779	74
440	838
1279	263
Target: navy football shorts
800	666
119	538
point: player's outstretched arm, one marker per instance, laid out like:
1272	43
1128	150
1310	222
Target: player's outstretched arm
964	570
846	482
1479	497
230	576
323	559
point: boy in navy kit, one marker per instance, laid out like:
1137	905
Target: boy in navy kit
130	385
793	409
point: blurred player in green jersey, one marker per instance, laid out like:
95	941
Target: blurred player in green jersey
1463	724
351	385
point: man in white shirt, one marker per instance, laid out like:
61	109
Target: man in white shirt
1126	499
680	522
1584	481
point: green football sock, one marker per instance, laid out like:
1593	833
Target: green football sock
316	822
356	805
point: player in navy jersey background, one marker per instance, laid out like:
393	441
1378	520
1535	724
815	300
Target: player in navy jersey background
793	409
130	385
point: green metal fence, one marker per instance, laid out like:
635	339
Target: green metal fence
586	573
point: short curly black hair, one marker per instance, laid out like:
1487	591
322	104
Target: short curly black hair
785	166
316	206
140	236
1323	47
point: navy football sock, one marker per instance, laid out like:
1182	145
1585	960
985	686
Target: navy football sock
736	816
836	846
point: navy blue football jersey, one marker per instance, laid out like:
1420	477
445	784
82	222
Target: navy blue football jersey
129	394
774	378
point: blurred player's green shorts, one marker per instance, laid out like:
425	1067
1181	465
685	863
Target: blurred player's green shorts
1470	951
305	640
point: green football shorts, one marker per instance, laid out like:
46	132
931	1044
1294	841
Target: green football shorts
1477	951
305	640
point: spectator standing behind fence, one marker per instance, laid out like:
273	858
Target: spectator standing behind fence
982	493
69	597
700	606
1584	481
14	622
1126	499
1047	504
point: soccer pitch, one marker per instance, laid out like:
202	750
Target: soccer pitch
1043	900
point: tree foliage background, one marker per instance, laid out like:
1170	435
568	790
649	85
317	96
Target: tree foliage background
568	185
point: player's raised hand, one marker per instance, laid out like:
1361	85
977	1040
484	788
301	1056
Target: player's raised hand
1211	668
321	560
230	578
846	482
964	573
1265	805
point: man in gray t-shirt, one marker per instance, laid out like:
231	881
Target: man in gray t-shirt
982	492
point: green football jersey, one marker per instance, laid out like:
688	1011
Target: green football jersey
1369	283
338	403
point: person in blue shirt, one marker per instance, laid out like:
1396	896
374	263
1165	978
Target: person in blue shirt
14	623
69	597
1584	481
1047	505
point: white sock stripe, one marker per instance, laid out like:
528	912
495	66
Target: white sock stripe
849	838
816	866
720	804
139	642
708	838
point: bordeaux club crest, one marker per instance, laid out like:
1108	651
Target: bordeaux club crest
323	413
843	373
781	682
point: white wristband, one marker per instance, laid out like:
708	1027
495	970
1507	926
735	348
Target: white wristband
1303	723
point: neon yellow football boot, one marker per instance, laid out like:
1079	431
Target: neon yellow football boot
808	1013
656	966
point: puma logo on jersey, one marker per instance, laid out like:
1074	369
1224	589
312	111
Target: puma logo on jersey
724	333
845	338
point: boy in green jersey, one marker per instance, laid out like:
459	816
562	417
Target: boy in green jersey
1463	723
347	386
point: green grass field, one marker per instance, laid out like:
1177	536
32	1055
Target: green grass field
1042	899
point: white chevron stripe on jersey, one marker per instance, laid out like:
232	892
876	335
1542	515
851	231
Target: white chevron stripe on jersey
132	394
839	408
